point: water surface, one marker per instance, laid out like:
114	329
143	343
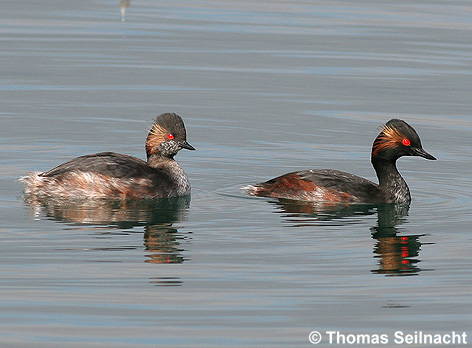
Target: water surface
264	88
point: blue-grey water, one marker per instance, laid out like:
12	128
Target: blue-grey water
265	88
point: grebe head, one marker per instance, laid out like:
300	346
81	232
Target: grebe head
396	139
167	136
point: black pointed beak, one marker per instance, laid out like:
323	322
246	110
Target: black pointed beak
186	145
420	152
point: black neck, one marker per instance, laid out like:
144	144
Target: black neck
157	160
390	180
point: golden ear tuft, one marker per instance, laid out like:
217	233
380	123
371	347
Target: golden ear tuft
392	133
155	137
388	138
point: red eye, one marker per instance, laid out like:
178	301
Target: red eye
406	142
170	136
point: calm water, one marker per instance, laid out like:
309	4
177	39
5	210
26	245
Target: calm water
265	88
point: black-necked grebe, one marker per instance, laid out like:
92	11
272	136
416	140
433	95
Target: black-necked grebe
113	175
395	140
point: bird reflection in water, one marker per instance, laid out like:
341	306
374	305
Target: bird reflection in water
124	4
397	253
162	241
